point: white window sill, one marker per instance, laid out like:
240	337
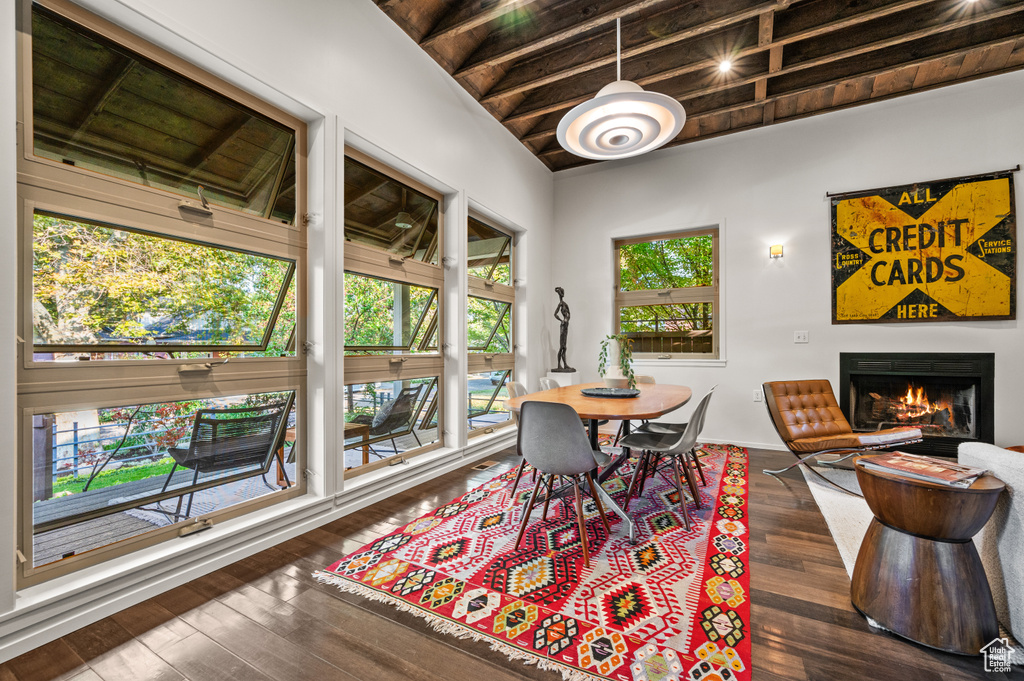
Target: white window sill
152	563
688	362
386	476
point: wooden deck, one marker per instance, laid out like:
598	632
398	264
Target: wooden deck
54	512
265	618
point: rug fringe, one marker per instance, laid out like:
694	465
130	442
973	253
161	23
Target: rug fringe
449	628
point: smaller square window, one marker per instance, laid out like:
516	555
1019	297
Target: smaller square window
667	294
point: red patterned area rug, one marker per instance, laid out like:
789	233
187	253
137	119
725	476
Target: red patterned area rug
674	606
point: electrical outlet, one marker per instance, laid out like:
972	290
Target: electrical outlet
801	337
758	395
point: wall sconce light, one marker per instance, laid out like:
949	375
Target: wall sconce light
775	251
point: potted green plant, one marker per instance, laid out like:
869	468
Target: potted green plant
617	373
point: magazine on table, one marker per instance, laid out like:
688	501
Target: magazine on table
924	468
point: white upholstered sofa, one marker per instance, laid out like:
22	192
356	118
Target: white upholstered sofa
1001	543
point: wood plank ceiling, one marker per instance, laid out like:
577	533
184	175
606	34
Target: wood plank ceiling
529	61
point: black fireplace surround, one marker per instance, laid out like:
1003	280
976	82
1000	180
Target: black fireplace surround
949	396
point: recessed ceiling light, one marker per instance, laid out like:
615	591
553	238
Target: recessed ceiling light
725	66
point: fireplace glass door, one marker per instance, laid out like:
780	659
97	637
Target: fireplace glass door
939	406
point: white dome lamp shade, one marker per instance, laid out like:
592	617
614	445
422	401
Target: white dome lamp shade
622	120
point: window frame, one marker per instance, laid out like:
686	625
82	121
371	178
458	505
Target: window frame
672	296
168	60
488	289
49	387
282	295
364	260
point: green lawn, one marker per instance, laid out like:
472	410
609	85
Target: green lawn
108	478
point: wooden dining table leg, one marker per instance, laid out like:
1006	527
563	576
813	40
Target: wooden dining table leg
515	485
650	468
581	521
550	485
640	465
691	483
597	502
527	510
697	464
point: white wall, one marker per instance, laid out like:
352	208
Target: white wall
350	71
349	59
768	186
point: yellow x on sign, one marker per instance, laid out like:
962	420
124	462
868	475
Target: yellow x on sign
934	252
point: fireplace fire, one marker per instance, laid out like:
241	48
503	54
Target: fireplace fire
949	397
938	412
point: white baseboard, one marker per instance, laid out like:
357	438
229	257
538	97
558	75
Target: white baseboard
46	612
775	446
417	472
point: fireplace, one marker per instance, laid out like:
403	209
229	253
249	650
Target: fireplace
949	396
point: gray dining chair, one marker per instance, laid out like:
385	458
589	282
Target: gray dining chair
553	442
675	428
515	389
676	448
623	430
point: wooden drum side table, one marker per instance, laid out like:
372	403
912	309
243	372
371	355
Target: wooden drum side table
918	573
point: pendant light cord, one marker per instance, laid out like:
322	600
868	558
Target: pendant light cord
618	48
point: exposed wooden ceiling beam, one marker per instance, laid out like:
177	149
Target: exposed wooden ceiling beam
698	86
766	23
766	37
349	200
869	71
471	14
559	27
569	63
693	19
203	154
115	76
57	134
692	59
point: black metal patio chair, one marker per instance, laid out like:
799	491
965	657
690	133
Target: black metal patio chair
394	419
227	439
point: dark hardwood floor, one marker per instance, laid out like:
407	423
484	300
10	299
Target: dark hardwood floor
266	618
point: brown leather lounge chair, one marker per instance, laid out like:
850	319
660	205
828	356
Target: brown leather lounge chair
808	419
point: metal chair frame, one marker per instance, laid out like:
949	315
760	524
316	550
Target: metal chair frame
848	452
208	418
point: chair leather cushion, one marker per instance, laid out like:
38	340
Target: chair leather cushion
805	409
877	438
887	437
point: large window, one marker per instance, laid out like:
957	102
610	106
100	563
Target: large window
489	320
394	369
162	275
666	296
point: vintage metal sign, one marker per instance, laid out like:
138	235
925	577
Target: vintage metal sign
935	251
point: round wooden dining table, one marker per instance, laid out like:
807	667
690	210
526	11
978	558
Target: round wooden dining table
654	400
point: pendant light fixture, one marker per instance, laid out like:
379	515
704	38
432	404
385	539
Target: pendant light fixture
622	120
